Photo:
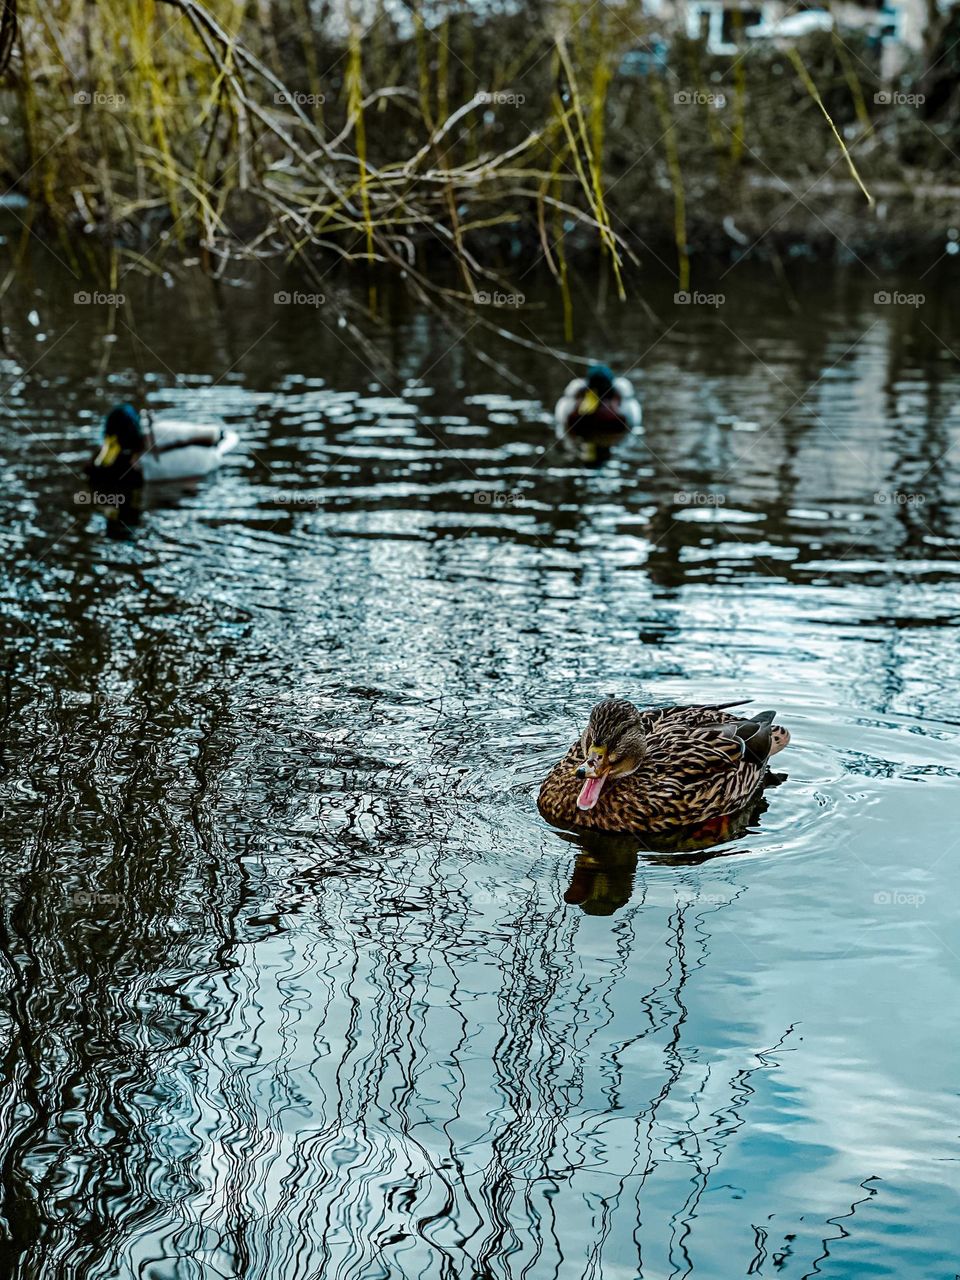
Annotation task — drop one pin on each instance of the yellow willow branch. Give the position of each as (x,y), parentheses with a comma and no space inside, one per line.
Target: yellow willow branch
(676,182)
(814,93)
(594,186)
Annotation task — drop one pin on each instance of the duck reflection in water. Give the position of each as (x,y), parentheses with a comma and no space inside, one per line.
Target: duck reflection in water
(605,868)
(120,506)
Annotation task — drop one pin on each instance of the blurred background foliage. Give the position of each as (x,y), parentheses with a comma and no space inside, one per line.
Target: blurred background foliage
(470,134)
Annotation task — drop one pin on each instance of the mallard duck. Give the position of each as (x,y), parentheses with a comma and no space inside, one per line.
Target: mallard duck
(599,408)
(660,771)
(133,452)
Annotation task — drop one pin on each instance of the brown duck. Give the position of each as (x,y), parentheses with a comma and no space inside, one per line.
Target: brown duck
(660,771)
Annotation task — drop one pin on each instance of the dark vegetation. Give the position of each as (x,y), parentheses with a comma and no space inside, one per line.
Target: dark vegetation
(458,137)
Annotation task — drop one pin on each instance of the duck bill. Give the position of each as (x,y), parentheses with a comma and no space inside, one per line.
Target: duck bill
(590,792)
(109,452)
(589,403)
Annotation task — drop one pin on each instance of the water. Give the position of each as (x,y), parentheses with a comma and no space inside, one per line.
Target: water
(292,987)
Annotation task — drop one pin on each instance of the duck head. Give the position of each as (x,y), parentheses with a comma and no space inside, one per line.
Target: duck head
(123,442)
(600,380)
(599,389)
(613,746)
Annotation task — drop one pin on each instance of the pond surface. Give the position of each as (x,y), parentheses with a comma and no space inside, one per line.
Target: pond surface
(296,982)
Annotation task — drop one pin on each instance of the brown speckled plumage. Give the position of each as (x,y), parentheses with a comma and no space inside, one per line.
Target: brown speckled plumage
(699,763)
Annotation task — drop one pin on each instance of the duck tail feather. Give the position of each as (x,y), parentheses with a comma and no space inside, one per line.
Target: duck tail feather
(757,745)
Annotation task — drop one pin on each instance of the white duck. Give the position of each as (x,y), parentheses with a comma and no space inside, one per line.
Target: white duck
(161,451)
(598,408)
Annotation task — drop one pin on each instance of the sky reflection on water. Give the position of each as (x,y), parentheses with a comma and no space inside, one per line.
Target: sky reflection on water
(297,982)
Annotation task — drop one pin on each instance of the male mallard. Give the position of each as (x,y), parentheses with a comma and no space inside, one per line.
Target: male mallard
(598,408)
(660,771)
(132,452)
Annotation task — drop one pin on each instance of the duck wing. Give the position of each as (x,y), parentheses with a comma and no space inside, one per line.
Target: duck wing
(184,450)
(694,742)
(567,404)
(629,404)
(169,434)
(656,719)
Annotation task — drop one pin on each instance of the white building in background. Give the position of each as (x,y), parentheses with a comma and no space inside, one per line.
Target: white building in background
(726,25)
